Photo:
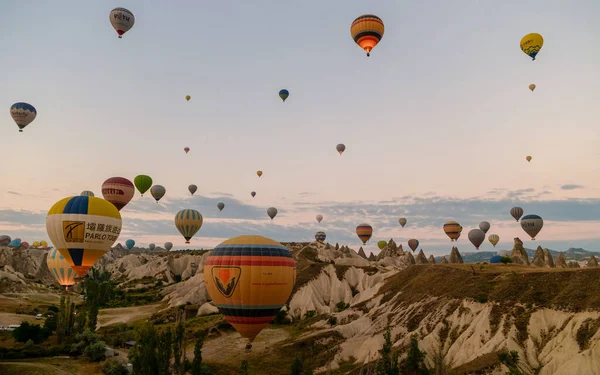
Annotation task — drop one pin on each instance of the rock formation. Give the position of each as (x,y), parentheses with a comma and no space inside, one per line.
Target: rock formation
(421,259)
(593,262)
(411,258)
(372,257)
(455,256)
(400,250)
(548,260)
(431,259)
(538,258)
(519,255)
(444,261)
(392,244)
(361,252)
(573,264)
(391,250)
(561,261)
(337,246)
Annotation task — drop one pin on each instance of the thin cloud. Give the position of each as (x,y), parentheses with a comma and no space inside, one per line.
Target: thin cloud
(221,194)
(571,187)
(14,193)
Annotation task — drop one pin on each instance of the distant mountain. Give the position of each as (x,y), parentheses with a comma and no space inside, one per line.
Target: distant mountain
(484,256)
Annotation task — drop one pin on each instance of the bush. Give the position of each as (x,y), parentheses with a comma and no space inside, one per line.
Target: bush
(332,320)
(341,306)
(281,318)
(32,332)
(113,367)
(310,313)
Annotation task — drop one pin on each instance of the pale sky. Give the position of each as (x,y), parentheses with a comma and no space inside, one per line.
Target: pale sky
(440,109)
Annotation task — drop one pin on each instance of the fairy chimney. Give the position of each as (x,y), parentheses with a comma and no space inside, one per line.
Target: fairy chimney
(421,259)
(431,259)
(561,261)
(361,253)
(548,260)
(455,256)
(593,262)
(538,258)
(519,255)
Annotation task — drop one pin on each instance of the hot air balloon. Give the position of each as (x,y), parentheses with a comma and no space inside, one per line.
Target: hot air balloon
(83,229)
(36,244)
(129,244)
(59,267)
(253,194)
(272,212)
(188,222)
(122,20)
(532,87)
(320,236)
(494,239)
(87,193)
(283,94)
(319,218)
(364,232)
(23,114)
(340,148)
(192,188)
(168,246)
(118,191)
(381,245)
(476,236)
(158,191)
(528,158)
(151,246)
(516,212)
(15,243)
(413,244)
(187,97)
(142,183)
(259,173)
(402,221)
(186,149)
(531,44)
(43,243)
(532,225)
(367,30)
(25,245)
(249,279)
(484,226)
(452,230)
(220,206)
(4,240)
(495,259)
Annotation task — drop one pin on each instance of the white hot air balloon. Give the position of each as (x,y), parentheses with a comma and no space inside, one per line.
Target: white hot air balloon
(122,20)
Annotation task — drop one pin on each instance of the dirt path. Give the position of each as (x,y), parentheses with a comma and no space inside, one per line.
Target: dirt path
(107,317)
(31,368)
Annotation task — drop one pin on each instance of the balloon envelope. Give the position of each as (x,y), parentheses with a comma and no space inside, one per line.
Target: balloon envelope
(532,225)
(259,173)
(187,97)
(118,191)
(129,244)
(192,188)
(319,218)
(5,240)
(151,246)
(220,206)
(158,191)
(367,30)
(494,239)
(168,246)
(142,183)
(340,148)
(186,149)
(59,268)
(83,229)
(122,20)
(249,278)
(532,87)
(516,212)
(188,222)
(23,114)
(528,158)
(484,226)
(476,236)
(253,194)
(402,221)
(283,94)
(381,244)
(452,230)
(413,244)
(531,44)
(87,193)
(364,232)
(272,212)
(320,236)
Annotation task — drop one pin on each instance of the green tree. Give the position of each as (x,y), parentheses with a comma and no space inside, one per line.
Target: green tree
(297,366)
(414,364)
(143,355)
(505,260)
(243,368)
(511,360)
(388,364)
(178,344)
(113,367)
(164,351)
(89,344)
(33,332)
(65,320)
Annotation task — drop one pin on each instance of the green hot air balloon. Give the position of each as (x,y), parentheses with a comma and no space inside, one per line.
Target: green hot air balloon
(142,183)
(283,94)
(381,245)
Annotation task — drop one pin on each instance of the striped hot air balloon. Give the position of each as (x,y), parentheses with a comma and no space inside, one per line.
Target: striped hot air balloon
(367,30)
(320,236)
(452,230)
(118,191)
(87,193)
(249,278)
(364,232)
(142,183)
(59,267)
(83,229)
(494,239)
(188,222)
(516,212)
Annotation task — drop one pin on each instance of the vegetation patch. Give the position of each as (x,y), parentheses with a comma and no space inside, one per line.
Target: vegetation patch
(586,331)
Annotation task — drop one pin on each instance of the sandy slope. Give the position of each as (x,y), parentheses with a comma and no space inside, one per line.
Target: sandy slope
(108,317)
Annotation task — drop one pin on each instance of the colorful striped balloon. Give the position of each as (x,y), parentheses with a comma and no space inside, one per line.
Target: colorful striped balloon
(118,191)
(83,229)
(452,230)
(364,232)
(60,269)
(320,236)
(367,30)
(516,212)
(494,239)
(188,222)
(249,278)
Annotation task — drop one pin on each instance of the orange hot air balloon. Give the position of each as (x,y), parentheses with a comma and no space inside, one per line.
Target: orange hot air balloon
(248,286)
(364,232)
(452,230)
(367,30)
(259,173)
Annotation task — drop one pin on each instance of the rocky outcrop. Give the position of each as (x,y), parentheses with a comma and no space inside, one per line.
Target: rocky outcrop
(519,255)
(390,250)
(573,264)
(372,257)
(421,259)
(431,259)
(561,261)
(538,258)
(548,260)
(444,260)
(400,250)
(361,253)
(455,256)
(593,262)
(410,258)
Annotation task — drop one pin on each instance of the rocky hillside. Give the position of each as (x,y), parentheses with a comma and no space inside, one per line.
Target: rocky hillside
(484,256)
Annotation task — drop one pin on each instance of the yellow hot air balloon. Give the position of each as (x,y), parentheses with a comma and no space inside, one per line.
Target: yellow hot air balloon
(43,243)
(188,222)
(494,239)
(249,278)
(452,230)
(528,158)
(259,173)
(531,44)
(187,97)
(60,269)
(367,30)
(35,244)
(532,87)
(83,229)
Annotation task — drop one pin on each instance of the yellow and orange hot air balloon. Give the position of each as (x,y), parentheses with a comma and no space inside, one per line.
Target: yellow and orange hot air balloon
(364,232)
(60,269)
(259,173)
(452,230)
(249,278)
(367,30)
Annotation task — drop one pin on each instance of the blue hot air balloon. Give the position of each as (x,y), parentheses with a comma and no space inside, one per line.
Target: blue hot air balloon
(496,259)
(23,114)
(283,94)
(130,244)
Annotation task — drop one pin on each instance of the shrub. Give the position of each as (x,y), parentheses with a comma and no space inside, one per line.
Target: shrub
(113,367)
(332,320)
(310,313)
